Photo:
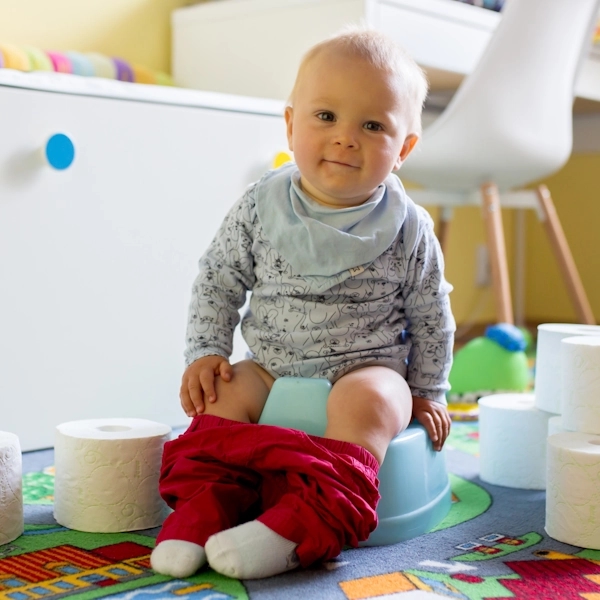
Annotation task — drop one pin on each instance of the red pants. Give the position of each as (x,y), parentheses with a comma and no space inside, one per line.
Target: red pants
(319,493)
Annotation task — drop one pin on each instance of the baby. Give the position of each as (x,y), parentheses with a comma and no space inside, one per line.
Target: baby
(346,280)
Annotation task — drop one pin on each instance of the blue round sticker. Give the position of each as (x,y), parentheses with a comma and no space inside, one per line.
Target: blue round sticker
(60,151)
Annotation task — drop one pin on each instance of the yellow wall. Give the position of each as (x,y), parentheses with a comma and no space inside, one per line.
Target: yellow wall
(575,193)
(136,30)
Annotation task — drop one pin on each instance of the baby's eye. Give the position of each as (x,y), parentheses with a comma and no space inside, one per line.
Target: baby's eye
(373,126)
(325,116)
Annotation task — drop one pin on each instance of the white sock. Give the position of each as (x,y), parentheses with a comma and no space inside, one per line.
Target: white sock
(177,558)
(250,551)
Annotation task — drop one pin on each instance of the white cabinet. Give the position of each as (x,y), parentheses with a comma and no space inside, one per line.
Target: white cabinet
(97,260)
(254,46)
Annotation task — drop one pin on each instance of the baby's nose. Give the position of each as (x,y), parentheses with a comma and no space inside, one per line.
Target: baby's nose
(346,143)
(346,137)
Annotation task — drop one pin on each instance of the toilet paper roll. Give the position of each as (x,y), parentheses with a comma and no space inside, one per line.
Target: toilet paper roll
(573,489)
(512,441)
(580,396)
(555,425)
(107,473)
(548,364)
(11,488)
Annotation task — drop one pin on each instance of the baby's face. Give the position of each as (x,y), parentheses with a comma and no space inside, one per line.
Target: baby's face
(347,128)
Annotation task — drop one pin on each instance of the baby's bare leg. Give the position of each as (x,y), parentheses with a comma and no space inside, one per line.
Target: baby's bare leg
(368,407)
(243,398)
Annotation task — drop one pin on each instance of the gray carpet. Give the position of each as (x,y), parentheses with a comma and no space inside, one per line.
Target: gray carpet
(501,551)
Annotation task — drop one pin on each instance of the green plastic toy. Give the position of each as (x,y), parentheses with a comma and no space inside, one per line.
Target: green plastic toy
(496,362)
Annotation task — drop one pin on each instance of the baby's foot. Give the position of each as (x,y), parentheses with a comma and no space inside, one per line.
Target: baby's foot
(250,551)
(177,558)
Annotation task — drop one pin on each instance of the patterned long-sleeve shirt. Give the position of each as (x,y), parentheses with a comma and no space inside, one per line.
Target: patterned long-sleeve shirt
(393,311)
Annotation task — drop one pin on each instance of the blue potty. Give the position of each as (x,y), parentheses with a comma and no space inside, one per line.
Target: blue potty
(413,481)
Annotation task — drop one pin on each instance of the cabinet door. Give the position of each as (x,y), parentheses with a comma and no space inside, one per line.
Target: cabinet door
(97,261)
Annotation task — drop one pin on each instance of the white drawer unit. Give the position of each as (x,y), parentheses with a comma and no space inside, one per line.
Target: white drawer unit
(254,46)
(97,259)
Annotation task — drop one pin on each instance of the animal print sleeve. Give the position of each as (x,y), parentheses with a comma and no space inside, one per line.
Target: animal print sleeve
(226,273)
(430,324)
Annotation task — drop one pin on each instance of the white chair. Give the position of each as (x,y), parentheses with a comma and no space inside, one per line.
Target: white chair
(508,125)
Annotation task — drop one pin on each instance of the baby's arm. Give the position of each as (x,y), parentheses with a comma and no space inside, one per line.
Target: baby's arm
(226,273)
(430,326)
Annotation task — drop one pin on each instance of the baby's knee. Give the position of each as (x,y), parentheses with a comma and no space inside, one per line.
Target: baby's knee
(244,396)
(373,397)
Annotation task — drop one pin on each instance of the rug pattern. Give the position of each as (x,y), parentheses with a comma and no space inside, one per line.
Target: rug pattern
(484,549)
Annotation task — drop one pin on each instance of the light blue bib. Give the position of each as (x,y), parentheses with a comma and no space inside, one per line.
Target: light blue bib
(323,242)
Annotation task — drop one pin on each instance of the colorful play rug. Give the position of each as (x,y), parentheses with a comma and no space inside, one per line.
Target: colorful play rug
(491,545)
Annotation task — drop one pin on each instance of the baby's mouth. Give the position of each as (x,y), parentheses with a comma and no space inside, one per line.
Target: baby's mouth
(342,164)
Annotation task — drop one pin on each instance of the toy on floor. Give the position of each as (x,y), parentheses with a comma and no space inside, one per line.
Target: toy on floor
(496,362)
(413,482)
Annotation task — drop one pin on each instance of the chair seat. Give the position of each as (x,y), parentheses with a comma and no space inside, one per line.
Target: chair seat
(413,481)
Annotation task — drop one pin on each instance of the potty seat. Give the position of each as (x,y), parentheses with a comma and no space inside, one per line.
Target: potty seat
(413,481)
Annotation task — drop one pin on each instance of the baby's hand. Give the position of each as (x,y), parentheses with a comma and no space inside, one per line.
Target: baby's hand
(434,417)
(198,383)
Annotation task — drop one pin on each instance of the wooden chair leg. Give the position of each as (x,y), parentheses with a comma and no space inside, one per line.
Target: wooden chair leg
(519,279)
(492,217)
(444,227)
(563,255)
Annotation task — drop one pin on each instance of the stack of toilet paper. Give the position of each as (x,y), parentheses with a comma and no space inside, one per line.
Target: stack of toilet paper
(550,373)
(107,473)
(11,490)
(512,441)
(549,363)
(513,428)
(573,452)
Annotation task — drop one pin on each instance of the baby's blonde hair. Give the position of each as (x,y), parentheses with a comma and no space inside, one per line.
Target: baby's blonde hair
(383,53)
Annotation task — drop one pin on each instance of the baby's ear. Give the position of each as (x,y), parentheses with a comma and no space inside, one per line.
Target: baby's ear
(289,118)
(409,143)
